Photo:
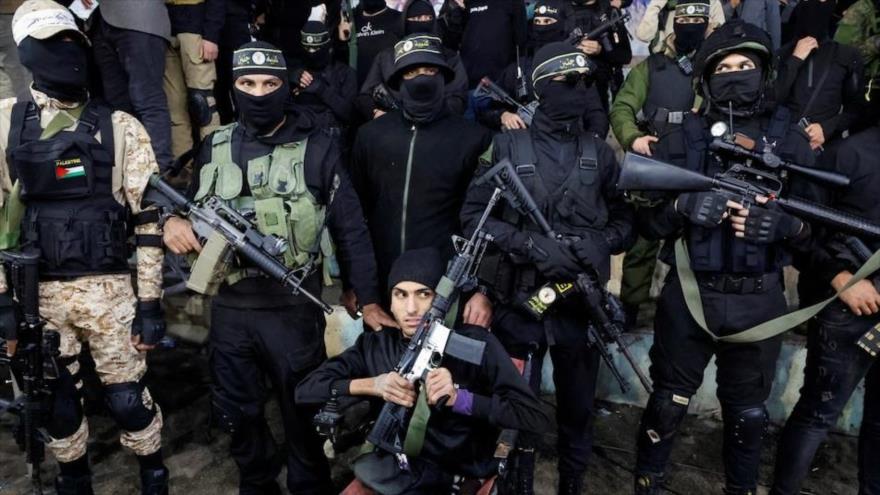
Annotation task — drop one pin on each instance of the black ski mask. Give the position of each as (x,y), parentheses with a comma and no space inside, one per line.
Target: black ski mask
(541,35)
(319,58)
(813,18)
(422,97)
(59,67)
(373,6)
(563,101)
(261,114)
(688,36)
(741,89)
(415,9)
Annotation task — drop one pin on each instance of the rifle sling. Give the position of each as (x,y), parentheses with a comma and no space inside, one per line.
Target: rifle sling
(418,425)
(768,329)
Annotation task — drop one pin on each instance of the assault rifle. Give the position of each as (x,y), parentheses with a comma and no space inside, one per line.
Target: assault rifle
(33,365)
(761,175)
(218,222)
(384,99)
(432,340)
(487,88)
(603,309)
(601,32)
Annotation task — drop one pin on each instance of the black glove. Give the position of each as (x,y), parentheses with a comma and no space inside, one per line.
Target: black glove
(9,317)
(553,259)
(149,322)
(705,209)
(591,252)
(769,225)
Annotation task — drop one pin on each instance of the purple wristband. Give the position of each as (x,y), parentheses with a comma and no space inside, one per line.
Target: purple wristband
(464,402)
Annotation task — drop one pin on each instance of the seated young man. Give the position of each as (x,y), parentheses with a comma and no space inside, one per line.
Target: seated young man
(460,438)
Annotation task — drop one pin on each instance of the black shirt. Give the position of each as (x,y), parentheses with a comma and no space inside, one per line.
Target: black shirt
(375,33)
(205,19)
(345,220)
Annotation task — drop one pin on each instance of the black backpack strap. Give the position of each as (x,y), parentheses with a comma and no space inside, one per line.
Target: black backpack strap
(522,152)
(589,153)
(97,117)
(24,127)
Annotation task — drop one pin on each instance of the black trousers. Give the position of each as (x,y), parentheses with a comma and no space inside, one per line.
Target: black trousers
(132,67)
(681,352)
(835,366)
(250,347)
(575,370)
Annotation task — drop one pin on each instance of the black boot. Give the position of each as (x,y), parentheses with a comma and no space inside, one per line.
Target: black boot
(631,313)
(570,484)
(70,485)
(154,481)
(524,473)
(649,483)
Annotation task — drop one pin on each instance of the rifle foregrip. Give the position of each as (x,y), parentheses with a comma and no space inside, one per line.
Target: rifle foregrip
(386,430)
(835,218)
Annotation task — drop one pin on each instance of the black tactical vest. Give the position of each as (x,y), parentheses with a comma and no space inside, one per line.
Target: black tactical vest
(665,108)
(70,214)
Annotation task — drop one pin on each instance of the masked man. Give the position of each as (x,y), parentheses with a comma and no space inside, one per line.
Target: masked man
(460,436)
(276,167)
(572,175)
(73,176)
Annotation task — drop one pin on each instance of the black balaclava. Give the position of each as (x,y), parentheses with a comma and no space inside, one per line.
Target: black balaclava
(260,114)
(316,43)
(563,101)
(373,6)
(541,35)
(813,18)
(423,266)
(59,67)
(740,89)
(422,97)
(417,8)
(689,36)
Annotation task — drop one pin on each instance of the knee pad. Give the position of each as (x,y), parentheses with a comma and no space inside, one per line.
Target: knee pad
(126,404)
(663,415)
(201,110)
(745,425)
(65,411)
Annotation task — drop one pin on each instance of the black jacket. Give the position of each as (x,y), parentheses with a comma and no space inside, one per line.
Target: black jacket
(490,31)
(206,19)
(837,105)
(345,220)
(383,68)
(458,443)
(595,118)
(330,97)
(425,212)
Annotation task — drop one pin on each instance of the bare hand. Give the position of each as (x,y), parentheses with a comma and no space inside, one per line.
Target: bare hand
(11,346)
(817,135)
(392,387)
(87,3)
(590,47)
(438,384)
(210,51)
(616,3)
(804,47)
(306,79)
(136,342)
(348,299)
(862,298)
(344,29)
(179,237)
(376,318)
(478,311)
(510,120)
(643,144)
(460,3)
(378,113)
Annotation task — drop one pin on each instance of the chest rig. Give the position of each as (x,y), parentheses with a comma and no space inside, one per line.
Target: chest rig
(65,181)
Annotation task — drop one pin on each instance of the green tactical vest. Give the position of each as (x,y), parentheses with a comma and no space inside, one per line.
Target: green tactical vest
(280,200)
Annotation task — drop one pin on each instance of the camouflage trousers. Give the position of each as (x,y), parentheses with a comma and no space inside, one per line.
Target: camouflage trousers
(99,310)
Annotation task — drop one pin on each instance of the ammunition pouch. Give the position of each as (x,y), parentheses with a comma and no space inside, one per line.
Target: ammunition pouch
(211,267)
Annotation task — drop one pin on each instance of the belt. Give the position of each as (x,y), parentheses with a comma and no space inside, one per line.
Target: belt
(738,284)
(664,115)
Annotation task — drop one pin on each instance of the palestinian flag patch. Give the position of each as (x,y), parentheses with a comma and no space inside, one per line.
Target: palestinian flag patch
(69,168)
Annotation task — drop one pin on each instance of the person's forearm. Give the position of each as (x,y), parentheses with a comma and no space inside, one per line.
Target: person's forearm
(362,386)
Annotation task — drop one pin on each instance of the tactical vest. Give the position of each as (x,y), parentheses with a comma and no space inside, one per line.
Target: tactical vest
(665,109)
(279,202)
(717,249)
(70,214)
(574,208)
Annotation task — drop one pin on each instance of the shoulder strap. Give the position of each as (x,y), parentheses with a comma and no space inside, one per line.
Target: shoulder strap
(221,143)
(24,127)
(780,122)
(589,153)
(822,79)
(97,117)
(522,152)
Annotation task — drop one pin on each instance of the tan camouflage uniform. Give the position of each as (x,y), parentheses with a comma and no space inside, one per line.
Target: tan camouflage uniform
(100,309)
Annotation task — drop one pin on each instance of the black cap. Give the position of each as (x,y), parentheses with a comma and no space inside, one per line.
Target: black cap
(314,35)
(555,59)
(734,36)
(549,8)
(423,266)
(419,50)
(258,57)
